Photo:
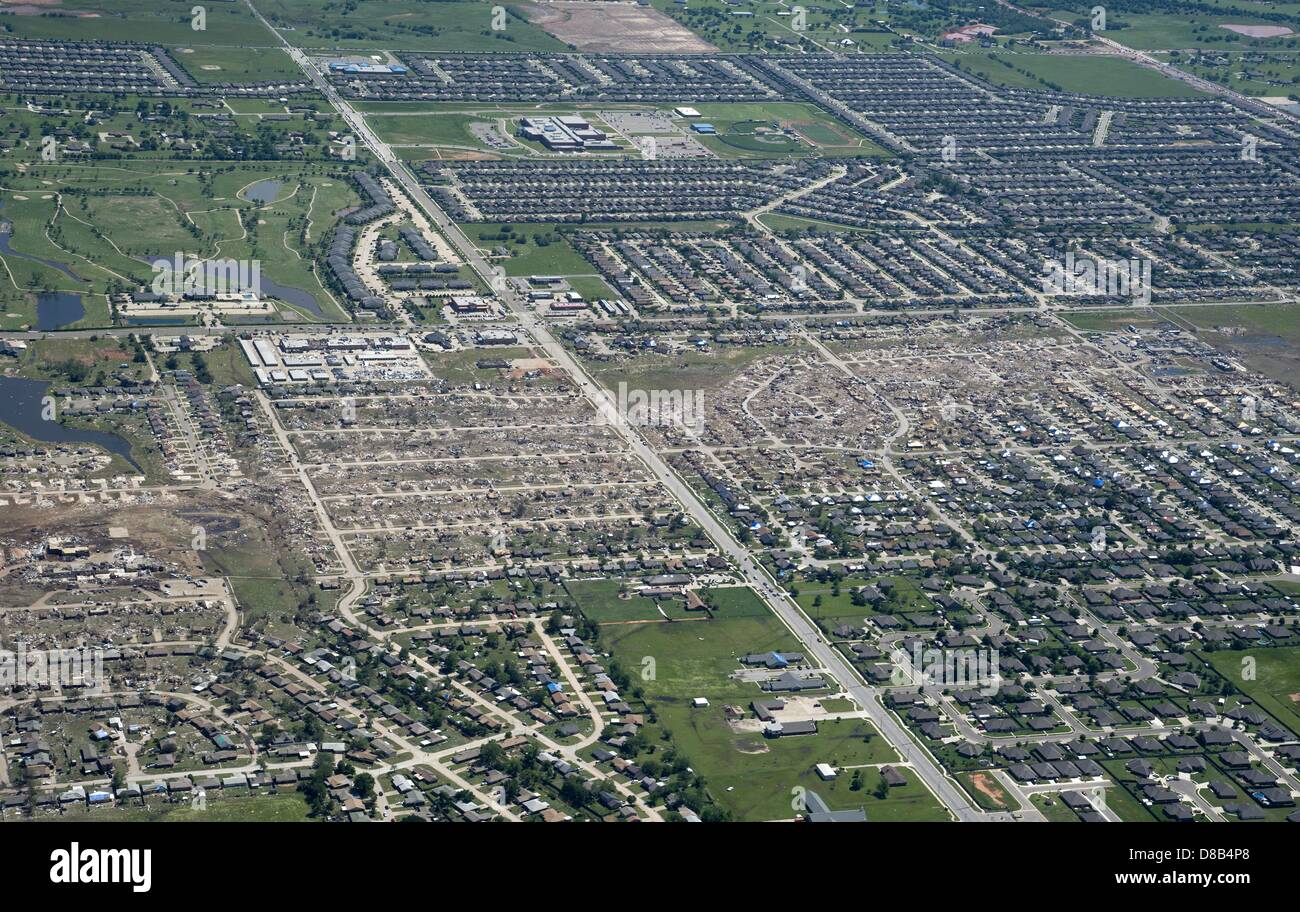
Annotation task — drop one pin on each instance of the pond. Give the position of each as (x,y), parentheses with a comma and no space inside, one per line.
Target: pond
(57,309)
(291,295)
(21,408)
(263,191)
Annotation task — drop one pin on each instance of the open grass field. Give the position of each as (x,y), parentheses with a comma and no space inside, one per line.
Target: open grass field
(1088,75)
(286,807)
(237,64)
(1265,336)
(1276,686)
(460,367)
(752,777)
(534,249)
(226,363)
(164,22)
(820,602)
(599,601)
(758,130)
(592,288)
(780,223)
(454,25)
(46,359)
(430,128)
(1053,808)
(1184,28)
(736,602)
(745,129)
(1112,320)
(446,130)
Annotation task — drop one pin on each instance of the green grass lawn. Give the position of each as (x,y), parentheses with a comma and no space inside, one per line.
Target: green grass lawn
(1265,336)
(48,359)
(838,705)
(778,222)
(1053,809)
(534,249)
(443,128)
(452,25)
(592,288)
(460,367)
(1184,28)
(159,21)
(1108,320)
(740,127)
(749,775)
(227,365)
(736,602)
(599,600)
(284,807)
(907,596)
(1087,75)
(238,64)
(1276,686)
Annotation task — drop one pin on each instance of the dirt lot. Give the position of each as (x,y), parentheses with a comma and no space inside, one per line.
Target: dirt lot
(614,27)
(989,787)
(160,526)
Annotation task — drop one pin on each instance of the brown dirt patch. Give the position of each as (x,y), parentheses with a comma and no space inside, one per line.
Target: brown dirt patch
(1259,31)
(985,785)
(615,27)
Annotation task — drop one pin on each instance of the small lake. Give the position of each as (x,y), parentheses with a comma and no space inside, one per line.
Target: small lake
(291,295)
(263,191)
(21,407)
(57,309)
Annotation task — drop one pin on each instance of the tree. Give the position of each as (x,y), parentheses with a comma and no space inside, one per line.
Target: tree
(364,785)
(491,755)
